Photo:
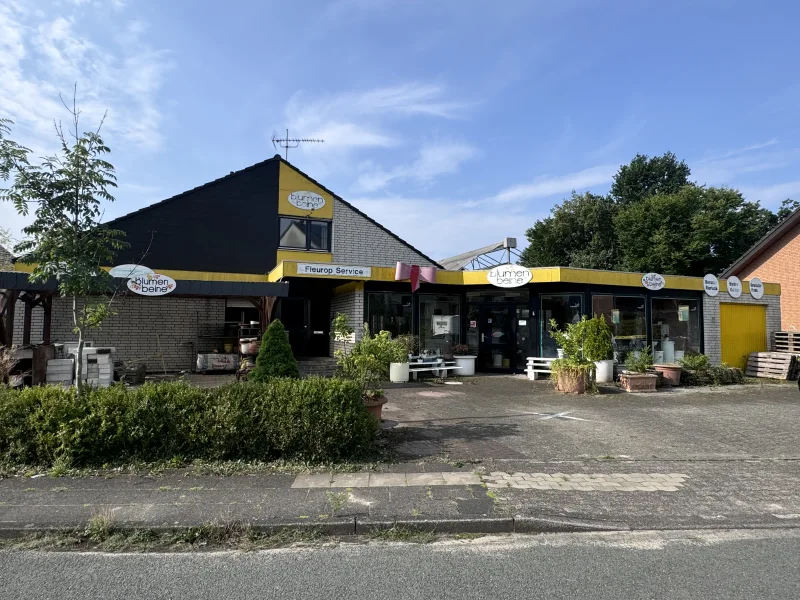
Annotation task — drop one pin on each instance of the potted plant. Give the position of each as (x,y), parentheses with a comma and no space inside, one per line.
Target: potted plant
(572,372)
(670,372)
(398,367)
(410,344)
(598,348)
(636,378)
(464,359)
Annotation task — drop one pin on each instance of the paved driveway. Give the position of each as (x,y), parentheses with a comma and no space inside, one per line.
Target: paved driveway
(510,417)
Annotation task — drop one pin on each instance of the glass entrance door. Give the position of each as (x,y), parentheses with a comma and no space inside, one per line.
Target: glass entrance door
(563,308)
(496,347)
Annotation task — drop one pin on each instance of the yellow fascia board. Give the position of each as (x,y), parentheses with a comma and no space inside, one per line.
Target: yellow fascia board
(353,286)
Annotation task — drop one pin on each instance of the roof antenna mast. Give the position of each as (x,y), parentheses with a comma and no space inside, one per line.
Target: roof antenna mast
(288,142)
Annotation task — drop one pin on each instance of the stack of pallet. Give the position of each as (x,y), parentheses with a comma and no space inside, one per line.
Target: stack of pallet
(773,365)
(60,371)
(787,341)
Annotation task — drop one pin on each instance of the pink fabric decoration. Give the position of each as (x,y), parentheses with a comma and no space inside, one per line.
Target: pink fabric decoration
(414,273)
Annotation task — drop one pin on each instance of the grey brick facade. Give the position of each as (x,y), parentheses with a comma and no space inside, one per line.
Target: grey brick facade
(711,324)
(132,330)
(359,241)
(5,260)
(350,303)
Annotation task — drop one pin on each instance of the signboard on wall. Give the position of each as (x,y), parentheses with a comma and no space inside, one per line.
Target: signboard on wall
(509,276)
(756,288)
(306,200)
(653,281)
(711,284)
(734,287)
(152,285)
(328,270)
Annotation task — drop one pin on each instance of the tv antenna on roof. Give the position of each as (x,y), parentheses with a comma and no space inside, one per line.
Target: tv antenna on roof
(288,142)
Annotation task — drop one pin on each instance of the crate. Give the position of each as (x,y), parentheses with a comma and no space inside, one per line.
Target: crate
(773,365)
(787,341)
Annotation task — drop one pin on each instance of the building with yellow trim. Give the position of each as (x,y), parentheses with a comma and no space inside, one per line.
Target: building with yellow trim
(270,224)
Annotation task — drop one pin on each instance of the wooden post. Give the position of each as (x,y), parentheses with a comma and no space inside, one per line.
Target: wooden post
(47,307)
(11,304)
(26,322)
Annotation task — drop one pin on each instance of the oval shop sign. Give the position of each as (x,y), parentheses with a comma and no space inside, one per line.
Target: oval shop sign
(509,276)
(734,287)
(151,285)
(306,200)
(653,281)
(128,271)
(756,288)
(711,284)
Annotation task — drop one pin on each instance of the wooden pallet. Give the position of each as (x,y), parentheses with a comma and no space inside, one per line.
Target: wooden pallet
(774,365)
(787,341)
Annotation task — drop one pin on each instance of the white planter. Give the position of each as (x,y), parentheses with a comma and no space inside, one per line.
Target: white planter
(398,372)
(467,364)
(604,371)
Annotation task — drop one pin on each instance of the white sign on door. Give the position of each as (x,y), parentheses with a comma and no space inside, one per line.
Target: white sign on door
(734,287)
(711,284)
(756,288)
(509,276)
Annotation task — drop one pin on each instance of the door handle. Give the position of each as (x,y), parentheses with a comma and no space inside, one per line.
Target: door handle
(483,336)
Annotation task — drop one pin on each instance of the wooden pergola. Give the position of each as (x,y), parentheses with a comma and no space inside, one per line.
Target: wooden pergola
(15,287)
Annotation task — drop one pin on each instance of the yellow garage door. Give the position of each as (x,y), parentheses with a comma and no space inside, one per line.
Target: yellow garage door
(743,329)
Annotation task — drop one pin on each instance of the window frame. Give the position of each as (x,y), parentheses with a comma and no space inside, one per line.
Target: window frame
(307,224)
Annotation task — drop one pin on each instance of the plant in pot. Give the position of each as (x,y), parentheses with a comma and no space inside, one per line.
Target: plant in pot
(464,360)
(636,378)
(598,348)
(410,343)
(572,373)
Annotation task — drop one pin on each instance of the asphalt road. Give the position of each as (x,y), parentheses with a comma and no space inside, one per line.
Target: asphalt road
(759,564)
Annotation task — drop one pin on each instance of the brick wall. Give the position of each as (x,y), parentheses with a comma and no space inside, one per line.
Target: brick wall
(711,326)
(781,264)
(5,260)
(350,303)
(37,321)
(132,331)
(356,240)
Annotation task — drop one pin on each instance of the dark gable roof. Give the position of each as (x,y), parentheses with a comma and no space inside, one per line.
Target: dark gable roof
(353,208)
(762,245)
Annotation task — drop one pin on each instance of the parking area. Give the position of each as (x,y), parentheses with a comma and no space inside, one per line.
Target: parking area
(510,417)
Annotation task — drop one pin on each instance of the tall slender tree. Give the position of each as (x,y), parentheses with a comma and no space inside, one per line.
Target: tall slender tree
(66,239)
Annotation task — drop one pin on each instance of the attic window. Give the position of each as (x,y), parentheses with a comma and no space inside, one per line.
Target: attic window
(305,234)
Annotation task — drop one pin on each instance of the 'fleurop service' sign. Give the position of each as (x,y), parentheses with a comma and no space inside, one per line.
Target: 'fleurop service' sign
(327,270)
(509,276)
(711,284)
(151,285)
(306,200)
(653,281)
(756,288)
(734,287)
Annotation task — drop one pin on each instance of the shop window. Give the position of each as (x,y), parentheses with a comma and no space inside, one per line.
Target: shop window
(676,328)
(564,309)
(390,312)
(626,318)
(439,323)
(305,234)
(498,295)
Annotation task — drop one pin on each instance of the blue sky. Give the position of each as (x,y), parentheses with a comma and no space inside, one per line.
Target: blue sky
(452,123)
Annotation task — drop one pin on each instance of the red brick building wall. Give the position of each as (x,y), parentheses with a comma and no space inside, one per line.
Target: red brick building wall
(780,263)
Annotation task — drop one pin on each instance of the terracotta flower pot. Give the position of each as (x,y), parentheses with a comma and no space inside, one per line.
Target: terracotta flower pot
(638,382)
(571,382)
(374,405)
(672,374)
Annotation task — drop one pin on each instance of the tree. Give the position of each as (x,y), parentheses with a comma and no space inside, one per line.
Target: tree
(578,233)
(788,207)
(66,239)
(275,358)
(692,232)
(645,176)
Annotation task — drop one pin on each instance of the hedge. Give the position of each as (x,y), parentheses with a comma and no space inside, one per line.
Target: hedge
(312,419)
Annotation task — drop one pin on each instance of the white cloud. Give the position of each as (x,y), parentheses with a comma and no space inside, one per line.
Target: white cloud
(772,195)
(358,119)
(434,160)
(725,168)
(546,186)
(43,54)
(439,228)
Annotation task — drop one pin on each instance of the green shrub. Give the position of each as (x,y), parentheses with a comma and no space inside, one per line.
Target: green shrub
(697,370)
(597,344)
(313,419)
(641,363)
(275,358)
(369,359)
(695,362)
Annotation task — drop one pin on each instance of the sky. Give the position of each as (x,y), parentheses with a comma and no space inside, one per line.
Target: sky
(452,123)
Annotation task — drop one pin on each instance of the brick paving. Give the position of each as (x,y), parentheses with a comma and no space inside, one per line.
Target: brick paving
(588,482)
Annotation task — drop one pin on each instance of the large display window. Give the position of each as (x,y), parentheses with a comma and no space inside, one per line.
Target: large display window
(627,319)
(564,308)
(388,311)
(676,328)
(439,323)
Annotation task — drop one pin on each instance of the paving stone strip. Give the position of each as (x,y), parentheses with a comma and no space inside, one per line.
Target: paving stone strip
(588,482)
